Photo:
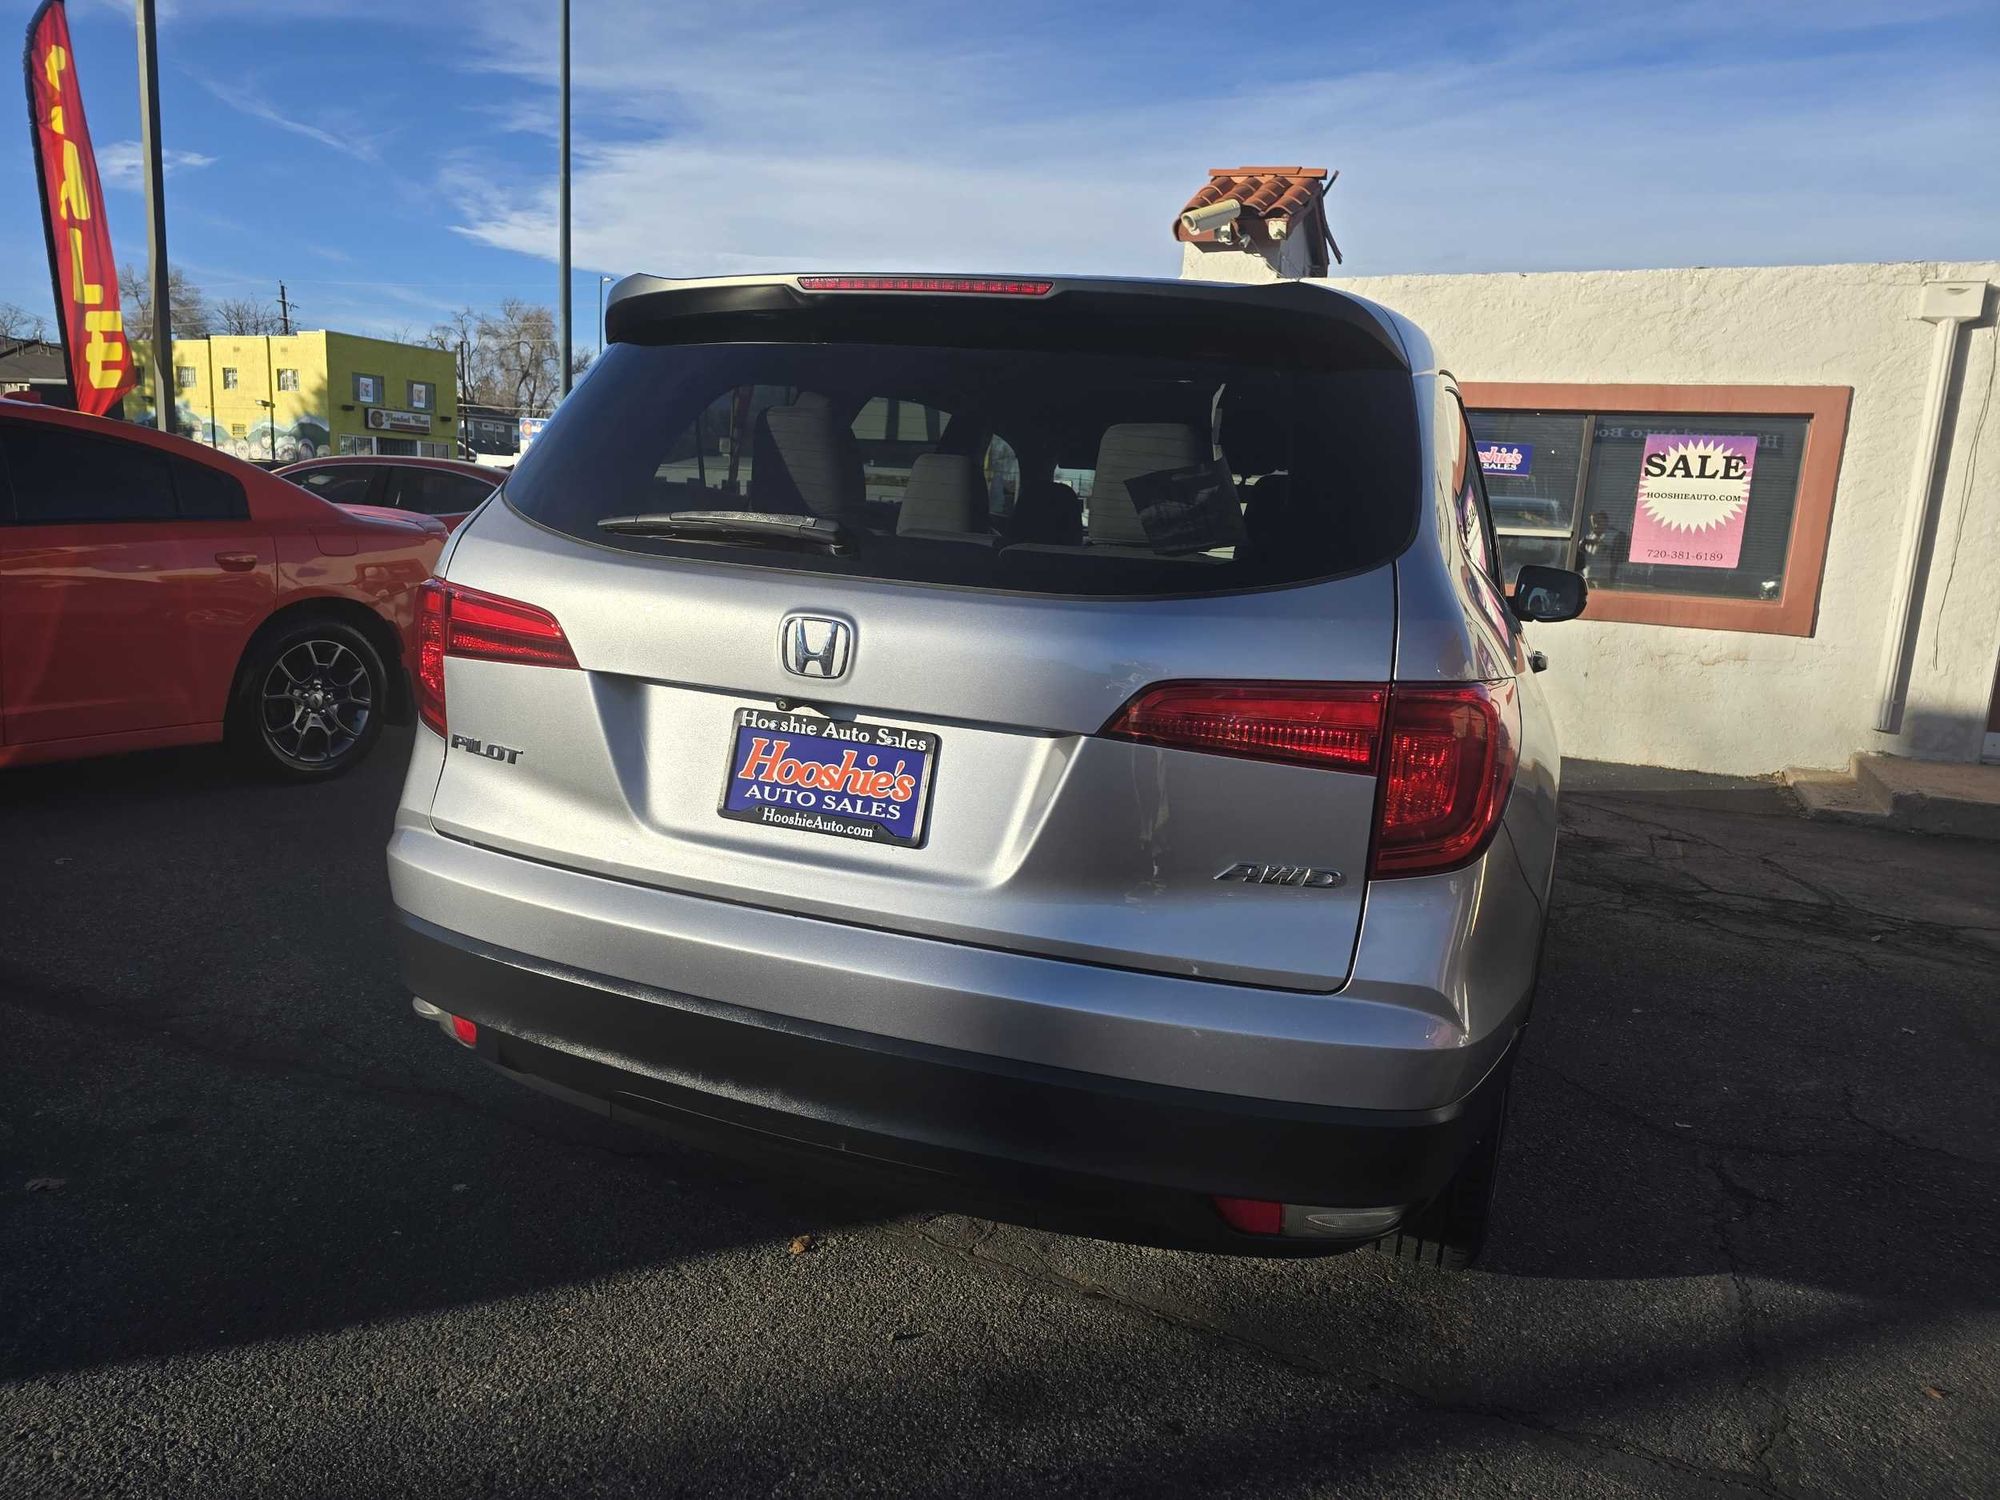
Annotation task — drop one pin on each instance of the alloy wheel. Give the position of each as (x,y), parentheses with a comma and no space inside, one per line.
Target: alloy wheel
(317,701)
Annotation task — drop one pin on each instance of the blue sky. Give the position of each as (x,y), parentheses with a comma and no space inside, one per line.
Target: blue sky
(393,159)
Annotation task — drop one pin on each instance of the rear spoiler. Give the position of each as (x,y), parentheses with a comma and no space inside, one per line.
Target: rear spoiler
(1285,323)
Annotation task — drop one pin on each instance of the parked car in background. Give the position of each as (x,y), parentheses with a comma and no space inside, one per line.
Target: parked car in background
(448,488)
(956,726)
(156,592)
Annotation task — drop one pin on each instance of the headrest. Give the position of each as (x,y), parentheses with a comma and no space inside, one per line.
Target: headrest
(1254,426)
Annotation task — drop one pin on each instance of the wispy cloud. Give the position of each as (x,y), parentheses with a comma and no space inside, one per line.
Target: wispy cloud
(518,116)
(121,164)
(335,133)
(830,136)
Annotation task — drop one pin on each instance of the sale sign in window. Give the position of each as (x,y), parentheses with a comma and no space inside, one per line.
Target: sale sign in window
(1694,493)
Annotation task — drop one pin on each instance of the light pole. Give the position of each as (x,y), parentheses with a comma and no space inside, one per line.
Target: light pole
(600,312)
(562,210)
(162,331)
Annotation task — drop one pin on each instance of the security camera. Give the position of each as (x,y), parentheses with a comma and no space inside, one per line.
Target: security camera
(1217,217)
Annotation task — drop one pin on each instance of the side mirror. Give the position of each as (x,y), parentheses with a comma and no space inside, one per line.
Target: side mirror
(1548,594)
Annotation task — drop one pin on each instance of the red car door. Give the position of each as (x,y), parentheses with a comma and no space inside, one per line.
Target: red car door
(130,579)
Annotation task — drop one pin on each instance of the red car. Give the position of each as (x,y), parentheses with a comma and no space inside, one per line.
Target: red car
(447,488)
(156,592)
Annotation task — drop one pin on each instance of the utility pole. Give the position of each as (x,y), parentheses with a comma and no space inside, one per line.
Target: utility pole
(562,208)
(156,218)
(284,311)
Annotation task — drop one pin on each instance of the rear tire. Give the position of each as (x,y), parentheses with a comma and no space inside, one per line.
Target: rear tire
(310,701)
(1448,1232)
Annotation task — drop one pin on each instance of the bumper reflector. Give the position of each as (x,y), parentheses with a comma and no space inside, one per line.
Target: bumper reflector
(1306,1221)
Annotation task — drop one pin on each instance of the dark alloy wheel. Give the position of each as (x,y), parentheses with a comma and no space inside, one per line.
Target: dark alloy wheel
(311,700)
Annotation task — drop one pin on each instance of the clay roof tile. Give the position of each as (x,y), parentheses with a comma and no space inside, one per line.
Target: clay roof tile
(1266,193)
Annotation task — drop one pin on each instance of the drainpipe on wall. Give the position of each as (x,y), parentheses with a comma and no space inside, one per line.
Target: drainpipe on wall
(1945,304)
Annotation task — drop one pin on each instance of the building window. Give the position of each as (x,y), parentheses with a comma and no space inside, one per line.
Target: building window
(184,377)
(229,377)
(357,445)
(1704,506)
(423,395)
(368,389)
(238,429)
(288,380)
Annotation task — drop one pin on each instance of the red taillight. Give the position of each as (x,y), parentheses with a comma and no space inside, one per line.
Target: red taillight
(466,1031)
(1450,762)
(432,608)
(1445,755)
(982,286)
(453,620)
(1252,1215)
(1336,726)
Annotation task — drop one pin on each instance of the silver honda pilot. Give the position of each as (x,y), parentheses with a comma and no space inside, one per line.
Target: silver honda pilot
(1066,743)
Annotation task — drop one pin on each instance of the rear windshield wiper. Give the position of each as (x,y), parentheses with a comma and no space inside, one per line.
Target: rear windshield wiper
(745,528)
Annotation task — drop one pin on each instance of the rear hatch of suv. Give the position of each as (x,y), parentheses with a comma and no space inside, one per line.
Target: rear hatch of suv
(1046,617)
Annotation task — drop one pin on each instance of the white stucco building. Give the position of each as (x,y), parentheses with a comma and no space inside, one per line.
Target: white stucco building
(1840,357)
(1850,603)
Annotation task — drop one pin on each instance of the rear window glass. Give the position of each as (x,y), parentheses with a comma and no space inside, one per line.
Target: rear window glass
(1041,471)
(204,493)
(345,484)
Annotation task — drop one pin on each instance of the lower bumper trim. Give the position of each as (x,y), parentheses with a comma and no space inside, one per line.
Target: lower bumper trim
(986,1134)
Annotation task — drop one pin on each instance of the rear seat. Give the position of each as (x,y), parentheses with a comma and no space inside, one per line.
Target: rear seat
(804,462)
(945,500)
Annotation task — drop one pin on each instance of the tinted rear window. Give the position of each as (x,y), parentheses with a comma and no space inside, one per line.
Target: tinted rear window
(344,484)
(1033,470)
(439,492)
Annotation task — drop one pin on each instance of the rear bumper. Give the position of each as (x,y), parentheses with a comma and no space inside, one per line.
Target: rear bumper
(1442,979)
(1014,1139)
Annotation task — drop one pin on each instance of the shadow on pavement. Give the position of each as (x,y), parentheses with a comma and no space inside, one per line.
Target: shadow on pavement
(1754,1138)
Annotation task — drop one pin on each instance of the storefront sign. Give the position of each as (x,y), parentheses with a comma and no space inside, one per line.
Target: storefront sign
(1694,493)
(1515,459)
(530,429)
(79,241)
(382,419)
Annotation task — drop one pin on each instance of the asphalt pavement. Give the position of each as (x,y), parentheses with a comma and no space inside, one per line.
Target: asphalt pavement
(262,1232)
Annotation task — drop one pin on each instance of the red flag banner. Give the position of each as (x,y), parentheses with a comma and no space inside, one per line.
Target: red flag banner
(80,258)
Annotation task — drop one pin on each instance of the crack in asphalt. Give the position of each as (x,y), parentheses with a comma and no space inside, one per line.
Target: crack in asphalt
(1829,913)
(1054,1279)
(1761,1378)
(1695,1141)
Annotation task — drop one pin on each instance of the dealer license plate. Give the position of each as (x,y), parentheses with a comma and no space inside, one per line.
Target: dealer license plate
(870,782)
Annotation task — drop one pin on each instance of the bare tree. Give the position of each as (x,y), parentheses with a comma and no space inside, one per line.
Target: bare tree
(242,315)
(508,357)
(189,307)
(16,322)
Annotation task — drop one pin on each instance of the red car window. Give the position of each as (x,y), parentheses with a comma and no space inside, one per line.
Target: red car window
(343,484)
(61,477)
(439,492)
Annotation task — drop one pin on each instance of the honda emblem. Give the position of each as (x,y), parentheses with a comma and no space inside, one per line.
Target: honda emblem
(815,645)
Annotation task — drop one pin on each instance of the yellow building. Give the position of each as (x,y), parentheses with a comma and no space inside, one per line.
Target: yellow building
(304,395)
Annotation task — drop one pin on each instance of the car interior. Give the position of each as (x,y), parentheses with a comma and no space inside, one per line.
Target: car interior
(1190,473)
